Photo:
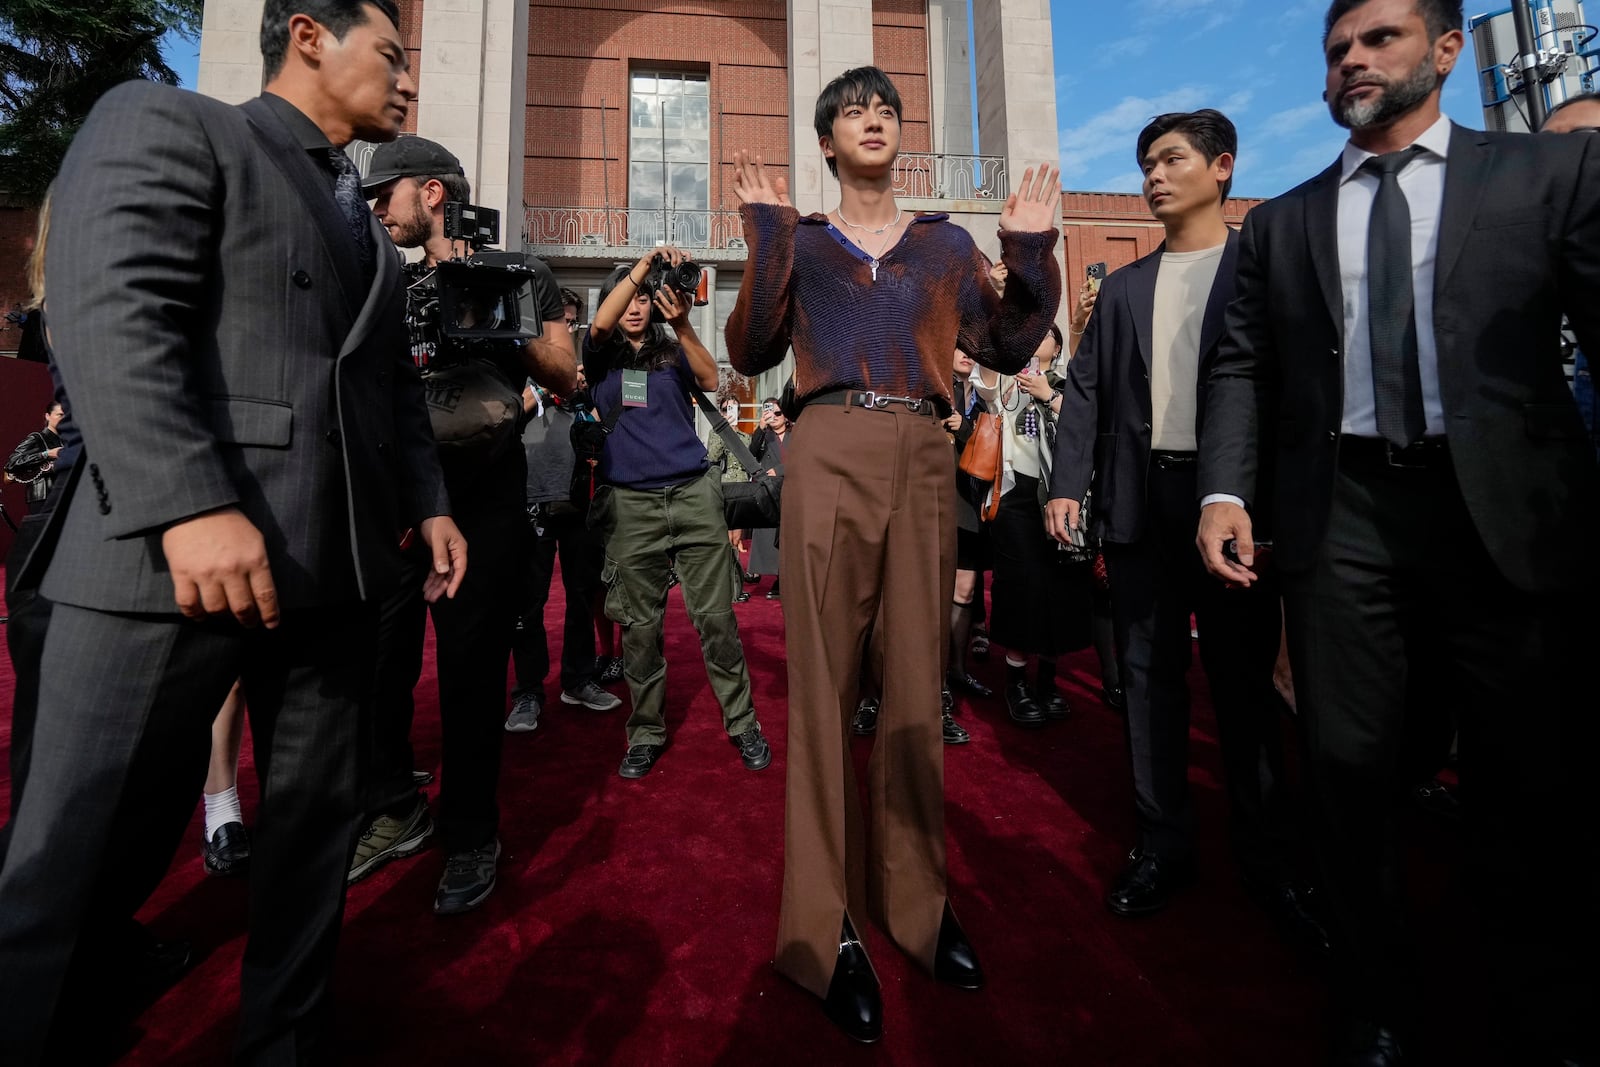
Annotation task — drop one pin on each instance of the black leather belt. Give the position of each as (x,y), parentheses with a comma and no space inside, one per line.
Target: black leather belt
(871,401)
(1173,460)
(1429,452)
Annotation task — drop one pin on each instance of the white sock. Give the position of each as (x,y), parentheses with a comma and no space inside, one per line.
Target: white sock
(221,809)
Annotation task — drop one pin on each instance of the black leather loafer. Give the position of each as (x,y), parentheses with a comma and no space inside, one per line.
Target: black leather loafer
(1052,703)
(955,962)
(227,852)
(969,685)
(854,1002)
(1020,705)
(1147,883)
(952,732)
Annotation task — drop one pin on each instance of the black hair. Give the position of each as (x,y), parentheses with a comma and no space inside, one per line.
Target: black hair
(570,296)
(1581,98)
(1055,331)
(658,351)
(340,16)
(1440,16)
(855,87)
(1208,131)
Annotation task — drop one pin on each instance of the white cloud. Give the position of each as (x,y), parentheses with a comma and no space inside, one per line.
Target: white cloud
(1291,121)
(1114,132)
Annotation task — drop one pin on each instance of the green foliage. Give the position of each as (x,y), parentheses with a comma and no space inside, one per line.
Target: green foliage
(57,57)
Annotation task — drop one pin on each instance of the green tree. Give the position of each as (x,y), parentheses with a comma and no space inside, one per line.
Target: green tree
(57,57)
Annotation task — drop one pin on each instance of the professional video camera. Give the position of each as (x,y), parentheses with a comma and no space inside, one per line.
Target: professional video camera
(686,278)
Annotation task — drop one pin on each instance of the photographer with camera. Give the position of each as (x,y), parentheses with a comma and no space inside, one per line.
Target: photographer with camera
(660,507)
(421,191)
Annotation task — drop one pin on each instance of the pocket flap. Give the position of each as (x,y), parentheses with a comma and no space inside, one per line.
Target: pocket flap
(242,420)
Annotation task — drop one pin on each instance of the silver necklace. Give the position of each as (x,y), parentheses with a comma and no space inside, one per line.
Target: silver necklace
(879,232)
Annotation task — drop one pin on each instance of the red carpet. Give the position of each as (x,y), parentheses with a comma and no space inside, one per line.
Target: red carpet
(634,921)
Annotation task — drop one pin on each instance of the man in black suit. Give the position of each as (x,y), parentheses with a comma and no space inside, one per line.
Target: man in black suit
(1390,398)
(226,315)
(1128,426)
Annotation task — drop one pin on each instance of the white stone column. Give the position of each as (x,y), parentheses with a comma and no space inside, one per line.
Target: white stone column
(230,50)
(950,56)
(473,83)
(826,38)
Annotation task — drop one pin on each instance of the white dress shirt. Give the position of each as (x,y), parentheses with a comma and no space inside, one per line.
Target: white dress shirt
(1422,181)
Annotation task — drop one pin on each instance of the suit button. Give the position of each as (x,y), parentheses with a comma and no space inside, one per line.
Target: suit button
(1147,427)
(1333,352)
(301,278)
(1333,435)
(334,438)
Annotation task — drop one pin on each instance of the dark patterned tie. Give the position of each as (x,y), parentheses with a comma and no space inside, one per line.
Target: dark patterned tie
(357,216)
(1391,322)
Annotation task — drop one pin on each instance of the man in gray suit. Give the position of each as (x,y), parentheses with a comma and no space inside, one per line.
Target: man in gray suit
(227,317)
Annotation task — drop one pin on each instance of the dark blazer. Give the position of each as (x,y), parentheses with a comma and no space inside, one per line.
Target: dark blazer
(1519,243)
(218,350)
(1103,431)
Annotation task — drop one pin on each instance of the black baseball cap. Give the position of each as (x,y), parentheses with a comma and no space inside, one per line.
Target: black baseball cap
(408,157)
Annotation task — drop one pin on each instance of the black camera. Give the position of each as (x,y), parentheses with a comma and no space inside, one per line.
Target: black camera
(684,278)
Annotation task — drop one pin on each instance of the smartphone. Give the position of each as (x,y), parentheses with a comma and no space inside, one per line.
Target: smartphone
(1230,552)
(1033,366)
(1096,273)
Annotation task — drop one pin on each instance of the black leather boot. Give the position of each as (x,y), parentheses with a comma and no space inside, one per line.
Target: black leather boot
(854,1003)
(955,962)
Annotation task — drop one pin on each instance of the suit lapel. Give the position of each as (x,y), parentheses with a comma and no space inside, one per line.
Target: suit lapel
(316,194)
(1322,237)
(384,280)
(1221,295)
(1142,299)
(1465,178)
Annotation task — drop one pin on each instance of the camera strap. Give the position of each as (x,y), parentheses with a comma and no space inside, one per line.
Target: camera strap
(730,436)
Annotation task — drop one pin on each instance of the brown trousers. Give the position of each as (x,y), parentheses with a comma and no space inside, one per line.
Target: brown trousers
(869,522)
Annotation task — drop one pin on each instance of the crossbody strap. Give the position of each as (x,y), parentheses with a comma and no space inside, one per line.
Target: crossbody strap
(729,435)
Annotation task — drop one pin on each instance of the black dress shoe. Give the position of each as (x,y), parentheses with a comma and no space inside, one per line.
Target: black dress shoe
(742,598)
(955,962)
(1115,697)
(953,732)
(1052,703)
(773,593)
(227,852)
(1023,709)
(1147,883)
(968,684)
(865,720)
(639,760)
(854,1003)
(1295,907)
(751,577)
(1367,1044)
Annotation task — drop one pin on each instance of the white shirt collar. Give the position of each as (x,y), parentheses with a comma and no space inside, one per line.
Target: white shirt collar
(1435,139)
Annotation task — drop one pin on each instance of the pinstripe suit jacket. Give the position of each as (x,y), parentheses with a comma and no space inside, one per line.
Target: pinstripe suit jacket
(220,346)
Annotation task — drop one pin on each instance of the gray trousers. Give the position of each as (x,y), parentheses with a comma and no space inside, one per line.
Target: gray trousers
(647,533)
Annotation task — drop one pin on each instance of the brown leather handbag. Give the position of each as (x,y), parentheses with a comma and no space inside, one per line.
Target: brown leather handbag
(982,459)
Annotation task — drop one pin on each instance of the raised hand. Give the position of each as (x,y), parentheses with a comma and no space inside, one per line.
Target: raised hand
(675,310)
(1036,205)
(752,185)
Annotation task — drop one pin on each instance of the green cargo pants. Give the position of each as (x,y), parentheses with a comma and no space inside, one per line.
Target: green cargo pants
(646,533)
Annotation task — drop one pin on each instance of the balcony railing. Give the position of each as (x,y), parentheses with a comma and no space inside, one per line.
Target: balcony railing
(600,227)
(941,177)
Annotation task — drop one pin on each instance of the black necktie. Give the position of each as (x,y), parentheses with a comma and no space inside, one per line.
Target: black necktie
(357,216)
(1391,322)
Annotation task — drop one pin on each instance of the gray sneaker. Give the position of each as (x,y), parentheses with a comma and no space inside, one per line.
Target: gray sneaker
(592,697)
(391,838)
(524,717)
(468,879)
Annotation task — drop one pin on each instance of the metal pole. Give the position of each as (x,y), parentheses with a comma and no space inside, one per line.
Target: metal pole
(1528,60)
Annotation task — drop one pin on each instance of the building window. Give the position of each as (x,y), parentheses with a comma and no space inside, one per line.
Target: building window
(669,158)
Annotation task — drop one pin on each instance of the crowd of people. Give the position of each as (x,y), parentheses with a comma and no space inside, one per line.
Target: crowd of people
(1362,386)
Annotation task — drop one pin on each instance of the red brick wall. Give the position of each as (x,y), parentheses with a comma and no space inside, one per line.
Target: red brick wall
(581,53)
(1116,229)
(411,35)
(900,49)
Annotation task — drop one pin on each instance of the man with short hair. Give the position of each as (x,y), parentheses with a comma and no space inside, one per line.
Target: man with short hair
(412,180)
(1130,417)
(253,440)
(1389,402)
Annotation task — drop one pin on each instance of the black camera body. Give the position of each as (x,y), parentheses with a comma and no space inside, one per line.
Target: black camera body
(684,279)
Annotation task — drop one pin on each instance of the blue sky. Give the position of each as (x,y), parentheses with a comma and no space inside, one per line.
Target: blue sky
(1119,63)
(1258,61)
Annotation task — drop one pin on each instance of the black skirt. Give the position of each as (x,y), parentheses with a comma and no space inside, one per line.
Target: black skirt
(1040,598)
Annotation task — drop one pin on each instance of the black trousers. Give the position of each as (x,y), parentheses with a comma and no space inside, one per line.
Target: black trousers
(582,556)
(1155,585)
(25,629)
(472,641)
(1402,580)
(126,704)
